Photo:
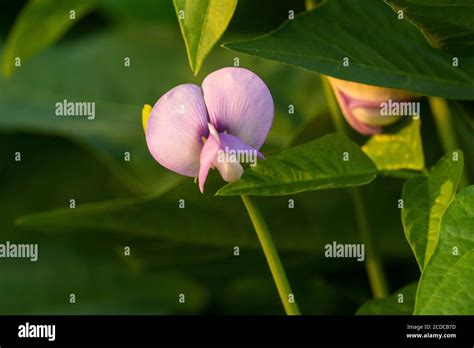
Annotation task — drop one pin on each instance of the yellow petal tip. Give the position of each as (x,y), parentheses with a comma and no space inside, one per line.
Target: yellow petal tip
(146,111)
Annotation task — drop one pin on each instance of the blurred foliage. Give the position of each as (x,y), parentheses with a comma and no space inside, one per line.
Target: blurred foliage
(53,17)
(401,302)
(52,171)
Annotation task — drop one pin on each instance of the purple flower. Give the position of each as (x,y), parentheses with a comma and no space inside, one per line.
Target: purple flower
(361,104)
(190,126)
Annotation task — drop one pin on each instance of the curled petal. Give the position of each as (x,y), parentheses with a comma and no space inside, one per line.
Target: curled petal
(231,154)
(369,93)
(175,129)
(239,102)
(359,126)
(361,104)
(234,143)
(230,171)
(207,157)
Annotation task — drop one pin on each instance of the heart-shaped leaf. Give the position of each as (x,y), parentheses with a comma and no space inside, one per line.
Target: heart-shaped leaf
(202,24)
(329,162)
(447,25)
(397,149)
(367,44)
(447,283)
(425,199)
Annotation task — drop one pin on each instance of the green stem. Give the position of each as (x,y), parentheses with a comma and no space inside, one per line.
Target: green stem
(444,126)
(271,254)
(336,116)
(373,264)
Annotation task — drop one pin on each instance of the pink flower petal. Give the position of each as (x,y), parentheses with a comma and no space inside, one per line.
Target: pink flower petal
(207,157)
(234,143)
(239,102)
(175,129)
(346,108)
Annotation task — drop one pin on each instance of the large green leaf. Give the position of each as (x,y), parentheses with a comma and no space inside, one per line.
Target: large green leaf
(202,24)
(40,24)
(447,283)
(381,50)
(397,148)
(401,302)
(447,25)
(329,162)
(425,199)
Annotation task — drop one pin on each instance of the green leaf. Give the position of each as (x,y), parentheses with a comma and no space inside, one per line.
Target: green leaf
(397,148)
(40,24)
(202,24)
(447,25)
(401,302)
(425,199)
(381,50)
(447,283)
(329,162)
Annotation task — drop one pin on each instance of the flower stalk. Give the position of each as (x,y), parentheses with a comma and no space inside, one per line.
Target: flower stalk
(271,254)
(447,134)
(373,264)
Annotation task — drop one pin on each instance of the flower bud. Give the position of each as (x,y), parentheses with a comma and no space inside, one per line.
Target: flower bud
(361,104)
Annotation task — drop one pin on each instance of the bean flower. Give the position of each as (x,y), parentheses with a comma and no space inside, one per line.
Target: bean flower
(190,126)
(361,104)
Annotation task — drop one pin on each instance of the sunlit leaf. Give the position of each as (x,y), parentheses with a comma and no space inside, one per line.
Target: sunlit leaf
(398,148)
(329,162)
(202,24)
(447,283)
(425,199)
